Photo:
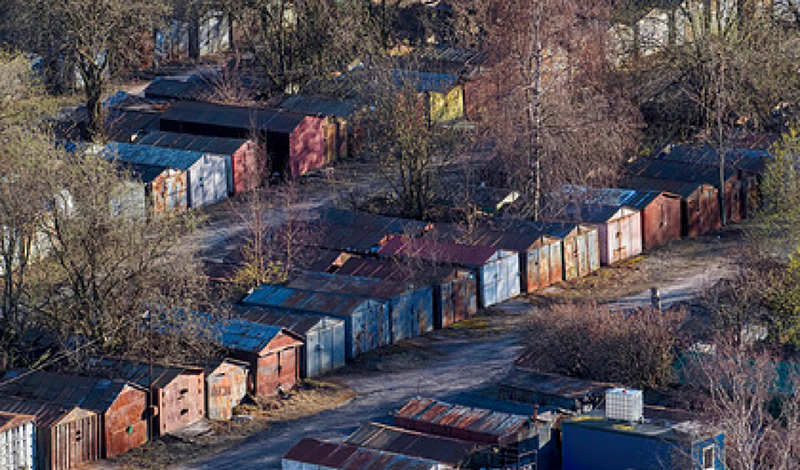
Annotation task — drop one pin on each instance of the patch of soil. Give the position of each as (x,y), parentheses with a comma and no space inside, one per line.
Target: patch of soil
(207,437)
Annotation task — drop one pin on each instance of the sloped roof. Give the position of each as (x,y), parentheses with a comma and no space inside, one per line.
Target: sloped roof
(247,336)
(138,372)
(319,105)
(490,427)
(617,197)
(352,285)
(681,188)
(351,457)
(178,87)
(673,170)
(416,444)
(13,420)
(46,413)
(325,303)
(753,160)
(152,156)
(295,322)
(553,384)
(558,230)
(425,81)
(197,143)
(438,252)
(372,222)
(520,241)
(91,393)
(594,213)
(236,117)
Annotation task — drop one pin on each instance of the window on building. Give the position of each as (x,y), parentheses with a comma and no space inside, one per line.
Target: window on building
(708,457)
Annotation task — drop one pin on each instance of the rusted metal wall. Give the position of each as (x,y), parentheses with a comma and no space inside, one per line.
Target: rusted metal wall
(181,401)
(246,167)
(581,253)
(701,213)
(279,368)
(661,221)
(412,313)
(169,193)
(226,386)
(125,422)
(307,146)
(541,265)
(733,199)
(70,442)
(456,299)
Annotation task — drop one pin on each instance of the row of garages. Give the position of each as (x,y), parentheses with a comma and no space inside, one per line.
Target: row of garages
(388,279)
(528,420)
(61,421)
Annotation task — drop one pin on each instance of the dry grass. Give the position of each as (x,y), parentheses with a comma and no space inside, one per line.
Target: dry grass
(310,398)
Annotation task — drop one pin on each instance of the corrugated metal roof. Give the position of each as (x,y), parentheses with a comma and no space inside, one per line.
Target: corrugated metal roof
(178,87)
(372,222)
(296,322)
(612,196)
(671,170)
(138,372)
(13,420)
(197,143)
(46,413)
(520,241)
(681,188)
(91,393)
(753,160)
(490,423)
(236,117)
(351,457)
(319,105)
(553,384)
(438,252)
(591,212)
(122,125)
(325,303)
(247,336)
(352,285)
(152,156)
(350,239)
(425,81)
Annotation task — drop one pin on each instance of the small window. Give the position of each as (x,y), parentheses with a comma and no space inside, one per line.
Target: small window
(708,457)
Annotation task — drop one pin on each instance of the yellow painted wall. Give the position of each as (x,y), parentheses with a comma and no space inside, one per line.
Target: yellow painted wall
(447,107)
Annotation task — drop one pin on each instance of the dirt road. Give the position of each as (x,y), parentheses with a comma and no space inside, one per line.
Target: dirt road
(459,365)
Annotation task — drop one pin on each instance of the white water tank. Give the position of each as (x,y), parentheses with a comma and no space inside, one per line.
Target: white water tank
(624,404)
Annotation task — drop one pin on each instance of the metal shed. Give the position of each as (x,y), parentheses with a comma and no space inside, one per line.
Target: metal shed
(295,142)
(120,406)
(66,437)
(314,454)
(619,229)
(660,211)
(749,164)
(514,440)
(454,289)
(373,222)
(207,180)
(445,450)
(689,173)
(226,386)
(538,388)
(366,320)
(700,212)
(410,304)
(496,270)
(323,337)
(540,257)
(444,92)
(580,246)
(337,112)
(177,394)
(272,352)
(17,441)
(244,162)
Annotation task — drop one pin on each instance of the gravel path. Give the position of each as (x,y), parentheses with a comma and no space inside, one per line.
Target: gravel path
(460,365)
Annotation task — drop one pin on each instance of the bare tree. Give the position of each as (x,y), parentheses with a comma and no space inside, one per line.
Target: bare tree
(91,36)
(747,396)
(294,41)
(549,97)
